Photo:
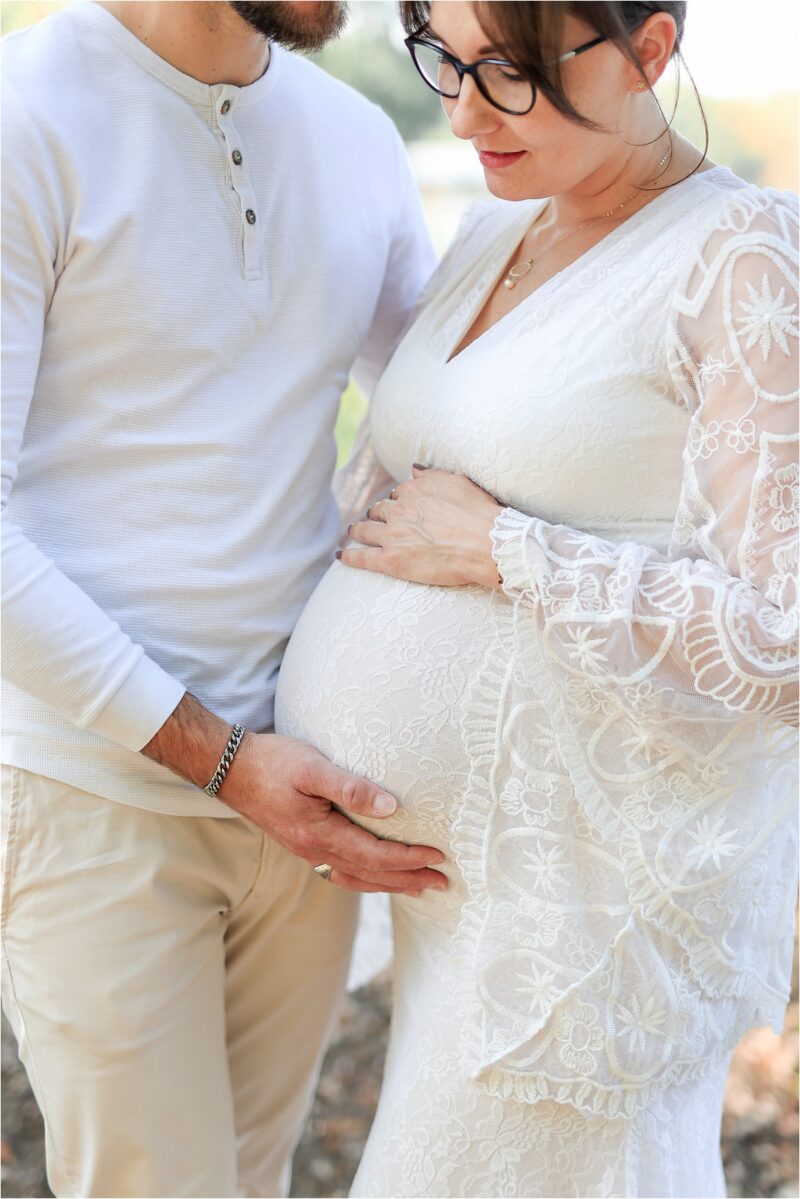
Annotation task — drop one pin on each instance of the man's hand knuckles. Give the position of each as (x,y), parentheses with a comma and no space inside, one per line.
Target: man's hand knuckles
(357,871)
(389,861)
(361,864)
(305,843)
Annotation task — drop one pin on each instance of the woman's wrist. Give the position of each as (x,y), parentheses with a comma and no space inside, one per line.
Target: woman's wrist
(485,570)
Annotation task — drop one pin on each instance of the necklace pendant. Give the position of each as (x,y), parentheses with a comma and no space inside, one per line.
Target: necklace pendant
(516,272)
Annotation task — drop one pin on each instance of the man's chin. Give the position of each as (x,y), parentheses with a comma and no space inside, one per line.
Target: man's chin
(305,26)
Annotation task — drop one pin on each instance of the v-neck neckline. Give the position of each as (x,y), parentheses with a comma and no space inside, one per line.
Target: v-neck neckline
(517,231)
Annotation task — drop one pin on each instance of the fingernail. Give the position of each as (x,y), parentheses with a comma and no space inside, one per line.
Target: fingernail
(439,886)
(338,554)
(419,466)
(384,805)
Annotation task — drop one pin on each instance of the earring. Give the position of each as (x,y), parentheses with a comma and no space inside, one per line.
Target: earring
(640,83)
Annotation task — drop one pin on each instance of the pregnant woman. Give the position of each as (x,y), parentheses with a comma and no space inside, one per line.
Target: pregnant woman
(564,638)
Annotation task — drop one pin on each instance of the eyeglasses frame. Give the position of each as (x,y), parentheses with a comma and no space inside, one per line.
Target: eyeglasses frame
(471,68)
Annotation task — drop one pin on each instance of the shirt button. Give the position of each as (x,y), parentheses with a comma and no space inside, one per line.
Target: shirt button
(237,157)
(226,107)
(251,217)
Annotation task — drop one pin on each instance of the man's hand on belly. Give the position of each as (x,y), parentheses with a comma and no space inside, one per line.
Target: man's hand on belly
(294,794)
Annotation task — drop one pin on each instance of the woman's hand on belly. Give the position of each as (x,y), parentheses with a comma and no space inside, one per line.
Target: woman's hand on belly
(435,528)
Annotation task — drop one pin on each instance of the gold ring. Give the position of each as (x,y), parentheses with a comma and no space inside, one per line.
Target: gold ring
(324,870)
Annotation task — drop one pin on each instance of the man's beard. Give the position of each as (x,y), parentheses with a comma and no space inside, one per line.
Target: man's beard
(305,27)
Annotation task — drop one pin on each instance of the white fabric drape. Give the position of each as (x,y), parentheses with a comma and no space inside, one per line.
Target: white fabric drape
(638,708)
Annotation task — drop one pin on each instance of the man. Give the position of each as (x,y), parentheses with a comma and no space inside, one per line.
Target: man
(203,234)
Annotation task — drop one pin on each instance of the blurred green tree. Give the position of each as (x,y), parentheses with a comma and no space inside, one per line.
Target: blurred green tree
(376,66)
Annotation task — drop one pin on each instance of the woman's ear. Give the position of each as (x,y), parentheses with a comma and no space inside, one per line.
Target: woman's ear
(654,42)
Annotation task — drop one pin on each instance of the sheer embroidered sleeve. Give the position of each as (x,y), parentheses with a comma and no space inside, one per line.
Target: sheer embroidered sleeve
(644,703)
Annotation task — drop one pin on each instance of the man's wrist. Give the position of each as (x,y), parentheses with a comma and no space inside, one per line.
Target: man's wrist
(226,761)
(238,789)
(190,742)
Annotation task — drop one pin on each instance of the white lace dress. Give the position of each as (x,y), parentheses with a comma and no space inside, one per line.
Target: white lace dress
(604,750)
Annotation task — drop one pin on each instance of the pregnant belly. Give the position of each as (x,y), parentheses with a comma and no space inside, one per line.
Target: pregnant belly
(376,677)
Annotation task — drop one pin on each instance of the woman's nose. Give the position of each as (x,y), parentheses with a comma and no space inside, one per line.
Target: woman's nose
(470,114)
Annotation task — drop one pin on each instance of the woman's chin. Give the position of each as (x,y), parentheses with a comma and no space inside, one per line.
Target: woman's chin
(502,184)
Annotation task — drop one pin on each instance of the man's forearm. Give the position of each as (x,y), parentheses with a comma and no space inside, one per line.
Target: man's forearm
(190,742)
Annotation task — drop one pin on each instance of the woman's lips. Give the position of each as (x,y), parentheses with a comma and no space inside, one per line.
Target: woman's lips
(493,160)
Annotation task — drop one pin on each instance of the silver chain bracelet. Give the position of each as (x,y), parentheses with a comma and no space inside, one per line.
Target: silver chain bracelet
(234,741)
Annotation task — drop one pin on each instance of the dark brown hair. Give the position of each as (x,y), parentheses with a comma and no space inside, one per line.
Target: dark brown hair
(529,34)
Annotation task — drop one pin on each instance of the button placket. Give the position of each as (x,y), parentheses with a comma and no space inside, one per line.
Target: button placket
(225,109)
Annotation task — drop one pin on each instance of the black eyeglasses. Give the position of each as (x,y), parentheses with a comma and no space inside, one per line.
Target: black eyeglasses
(497,79)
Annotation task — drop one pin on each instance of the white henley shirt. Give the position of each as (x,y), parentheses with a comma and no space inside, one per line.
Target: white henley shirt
(191,273)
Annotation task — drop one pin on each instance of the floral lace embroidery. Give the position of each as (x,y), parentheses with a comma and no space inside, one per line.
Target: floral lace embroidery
(671,683)
(604,751)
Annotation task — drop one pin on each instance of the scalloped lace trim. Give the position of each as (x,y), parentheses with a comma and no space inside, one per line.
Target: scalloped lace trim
(710,1024)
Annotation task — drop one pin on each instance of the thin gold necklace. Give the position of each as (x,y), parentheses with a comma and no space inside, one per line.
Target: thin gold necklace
(522,268)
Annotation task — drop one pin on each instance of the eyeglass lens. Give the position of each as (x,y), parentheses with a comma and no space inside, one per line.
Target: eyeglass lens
(502,83)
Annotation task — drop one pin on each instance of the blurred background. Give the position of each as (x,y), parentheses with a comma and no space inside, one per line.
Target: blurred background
(743,59)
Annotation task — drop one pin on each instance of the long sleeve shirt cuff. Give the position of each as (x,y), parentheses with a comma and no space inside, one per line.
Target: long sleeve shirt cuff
(139,706)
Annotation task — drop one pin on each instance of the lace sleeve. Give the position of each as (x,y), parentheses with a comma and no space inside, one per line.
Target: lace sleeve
(716,622)
(631,846)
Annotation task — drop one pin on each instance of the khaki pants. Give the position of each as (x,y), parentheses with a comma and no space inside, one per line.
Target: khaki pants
(172,982)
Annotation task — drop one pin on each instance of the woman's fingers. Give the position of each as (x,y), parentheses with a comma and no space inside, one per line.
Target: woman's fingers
(364,557)
(368,532)
(380,510)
